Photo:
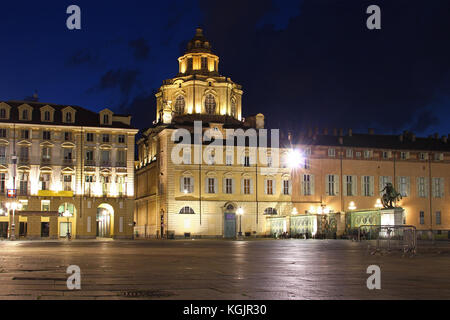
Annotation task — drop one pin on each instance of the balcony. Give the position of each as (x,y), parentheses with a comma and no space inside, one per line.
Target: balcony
(68,162)
(24,160)
(89,163)
(105,163)
(46,161)
(3,160)
(121,164)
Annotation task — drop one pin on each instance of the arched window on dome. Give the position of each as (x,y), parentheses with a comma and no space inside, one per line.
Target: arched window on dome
(233,107)
(210,104)
(187,210)
(179,105)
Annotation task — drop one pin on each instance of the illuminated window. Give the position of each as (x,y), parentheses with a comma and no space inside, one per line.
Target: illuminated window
(270,186)
(46,135)
(270,211)
(25,114)
(331,152)
(211,185)
(286,187)
(187,210)
(247,183)
(45,181)
(422,217)
(2,113)
(228,186)
(89,137)
(233,107)
(68,117)
(121,138)
(210,104)
(179,105)
(47,116)
(45,205)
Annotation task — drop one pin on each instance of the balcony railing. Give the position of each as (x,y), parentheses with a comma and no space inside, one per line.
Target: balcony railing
(45,160)
(68,162)
(24,160)
(105,163)
(121,164)
(90,163)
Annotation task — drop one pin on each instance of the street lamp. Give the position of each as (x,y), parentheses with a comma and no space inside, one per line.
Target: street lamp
(13,206)
(294,159)
(67,214)
(352,205)
(378,204)
(240,212)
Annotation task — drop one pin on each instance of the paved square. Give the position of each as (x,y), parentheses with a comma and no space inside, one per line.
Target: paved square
(218,269)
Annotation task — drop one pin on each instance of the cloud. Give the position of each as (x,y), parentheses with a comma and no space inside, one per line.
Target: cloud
(140,48)
(124,80)
(80,57)
(142,108)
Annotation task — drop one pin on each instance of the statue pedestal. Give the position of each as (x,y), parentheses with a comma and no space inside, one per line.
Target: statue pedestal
(390,217)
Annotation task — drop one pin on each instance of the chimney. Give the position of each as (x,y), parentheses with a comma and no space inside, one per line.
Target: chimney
(335,132)
(341,132)
(341,140)
(350,132)
(400,137)
(413,137)
(371,131)
(325,131)
(444,139)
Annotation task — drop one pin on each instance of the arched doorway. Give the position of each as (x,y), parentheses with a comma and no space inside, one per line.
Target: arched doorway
(66,219)
(229,220)
(105,221)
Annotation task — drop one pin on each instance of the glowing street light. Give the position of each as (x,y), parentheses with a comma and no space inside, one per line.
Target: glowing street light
(294,211)
(378,204)
(294,159)
(67,214)
(352,205)
(240,212)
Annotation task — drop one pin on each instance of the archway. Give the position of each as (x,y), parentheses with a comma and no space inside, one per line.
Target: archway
(105,221)
(66,220)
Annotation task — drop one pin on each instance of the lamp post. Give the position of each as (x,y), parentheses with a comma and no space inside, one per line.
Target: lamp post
(240,212)
(67,214)
(13,206)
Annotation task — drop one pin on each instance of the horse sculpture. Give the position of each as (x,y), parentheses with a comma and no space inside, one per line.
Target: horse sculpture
(390,196)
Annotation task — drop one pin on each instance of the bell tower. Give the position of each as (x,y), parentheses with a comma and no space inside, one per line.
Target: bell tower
(198,90)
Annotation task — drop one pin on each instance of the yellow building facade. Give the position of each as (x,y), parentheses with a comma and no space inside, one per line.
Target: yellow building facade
(72,171)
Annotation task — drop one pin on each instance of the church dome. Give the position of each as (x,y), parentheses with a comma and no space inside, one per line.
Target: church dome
(199,44)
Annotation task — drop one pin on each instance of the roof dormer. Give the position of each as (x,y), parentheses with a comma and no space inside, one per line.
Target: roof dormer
(47,114)
(25,112)
(5,111)
(68,115)
(106,117)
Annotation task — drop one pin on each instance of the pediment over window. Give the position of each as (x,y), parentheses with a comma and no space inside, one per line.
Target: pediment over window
(25,112)
(68,115)
(47,114)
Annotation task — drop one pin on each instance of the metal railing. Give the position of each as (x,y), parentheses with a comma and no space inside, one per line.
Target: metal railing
(390,237)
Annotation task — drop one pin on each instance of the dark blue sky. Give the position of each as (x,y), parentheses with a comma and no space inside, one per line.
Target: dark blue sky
(302,63)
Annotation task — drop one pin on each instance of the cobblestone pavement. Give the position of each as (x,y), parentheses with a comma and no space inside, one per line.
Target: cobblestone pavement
(219,269)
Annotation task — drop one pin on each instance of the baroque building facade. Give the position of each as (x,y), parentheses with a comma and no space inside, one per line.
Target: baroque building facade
(337,181)
(72,169)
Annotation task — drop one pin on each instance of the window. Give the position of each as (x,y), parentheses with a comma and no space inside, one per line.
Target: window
(403,186)
(422,217)
(228,186)
(270,184)
(179,105)
(187,185)
(423,156)
(67,154)
(90,156)
(210,104)
(46,135)
(24,204)
(349,153)
(105,157)
(367,154)
(331,184)
(247,186)
(2,133)
(233,107)
(47,116)
(105,119)
(46,154)
(438,156)
(438,217)
(404,155)
(187,210)
(384,180)
(211,185)
(105,138)
(438,187)
(307,164)
(307,185)
(286,187)
(121,158)
(89,137)
(25,134)
(89,179)
(67,182)
(204,63)
(246,161)
(331,152)
(358,154)
(270,211)
(367,186)
(23,183)
(23,154)
(350,186)
(385,155)
(421,187)
(45,205)
(2,183)
(25,114)
(229,159)
(269,161)
(68,117)
(307,151)
(45,181)
(2,155)
(121,138)
(67,136)
(2,113)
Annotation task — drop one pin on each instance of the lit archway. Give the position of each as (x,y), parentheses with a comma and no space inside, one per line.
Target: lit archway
(67,213)
(105,221)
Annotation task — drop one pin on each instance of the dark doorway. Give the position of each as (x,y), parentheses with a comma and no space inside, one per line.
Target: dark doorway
(23,229)
(3,229)
(45,229)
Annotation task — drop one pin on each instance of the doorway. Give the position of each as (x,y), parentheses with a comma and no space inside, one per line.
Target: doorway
(23,228)
(229,223)
(105,221)
(4,230)
(45,229)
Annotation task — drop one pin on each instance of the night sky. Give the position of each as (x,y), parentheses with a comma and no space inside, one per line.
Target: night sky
(302,63)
